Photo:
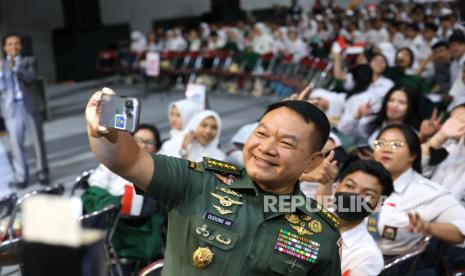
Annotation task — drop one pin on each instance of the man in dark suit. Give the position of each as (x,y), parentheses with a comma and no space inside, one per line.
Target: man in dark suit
(22,107)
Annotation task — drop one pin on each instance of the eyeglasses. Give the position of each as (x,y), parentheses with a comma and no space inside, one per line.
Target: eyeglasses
(393,145)
(146,142)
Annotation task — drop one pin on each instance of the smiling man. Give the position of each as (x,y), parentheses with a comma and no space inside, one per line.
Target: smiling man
(217,222)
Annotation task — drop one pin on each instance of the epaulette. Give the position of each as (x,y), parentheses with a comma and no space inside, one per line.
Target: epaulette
(326,215)
(198,166)
(220,166)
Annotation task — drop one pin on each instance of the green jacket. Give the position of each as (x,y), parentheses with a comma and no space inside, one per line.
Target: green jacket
(133,238)
(244,239)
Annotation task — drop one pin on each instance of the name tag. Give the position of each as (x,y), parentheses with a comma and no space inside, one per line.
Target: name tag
(218,220)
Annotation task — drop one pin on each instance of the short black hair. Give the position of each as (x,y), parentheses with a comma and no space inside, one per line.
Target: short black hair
(440,44)
(373,168)
(11,35)
(457,36)
(413,26)
(411,54)
(431,26)
(413,143)
(311,114)
(155,132)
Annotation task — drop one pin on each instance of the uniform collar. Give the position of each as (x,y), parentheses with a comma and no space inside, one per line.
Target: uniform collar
(403,180)
(350,237)
(244,182)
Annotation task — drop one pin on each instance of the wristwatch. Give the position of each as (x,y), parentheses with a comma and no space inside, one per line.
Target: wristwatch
(183,152)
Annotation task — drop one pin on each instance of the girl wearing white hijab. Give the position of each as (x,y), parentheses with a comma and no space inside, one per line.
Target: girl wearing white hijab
(179,114)
(201,138)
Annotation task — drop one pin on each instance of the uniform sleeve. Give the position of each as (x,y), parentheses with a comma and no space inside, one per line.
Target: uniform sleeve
(333,266)
(454,215)
(173,182)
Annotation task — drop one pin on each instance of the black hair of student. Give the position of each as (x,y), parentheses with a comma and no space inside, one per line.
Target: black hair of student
(373,168)
(410,52)
(412,140)
(413,115)
(11,35)
(155,132)
(310,114)
(363,77)
(380,55)
(431,26)
(440,44)
(458,37)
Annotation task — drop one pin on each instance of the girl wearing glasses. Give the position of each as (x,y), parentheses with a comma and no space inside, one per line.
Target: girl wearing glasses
(418,207)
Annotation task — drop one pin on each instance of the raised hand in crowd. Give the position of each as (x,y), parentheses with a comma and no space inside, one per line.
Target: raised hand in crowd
(188,138)
(325,173)
(430,126)
(418,225)
(364,110)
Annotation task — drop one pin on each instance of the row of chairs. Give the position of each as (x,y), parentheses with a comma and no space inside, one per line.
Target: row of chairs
(246,68)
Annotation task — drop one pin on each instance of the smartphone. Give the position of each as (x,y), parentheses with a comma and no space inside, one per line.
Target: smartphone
(119,112)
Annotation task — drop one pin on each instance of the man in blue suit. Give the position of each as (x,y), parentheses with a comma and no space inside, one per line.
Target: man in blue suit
(22,107)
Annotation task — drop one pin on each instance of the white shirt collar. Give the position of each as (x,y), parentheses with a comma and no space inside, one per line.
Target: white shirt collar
(350,237)
(403,180)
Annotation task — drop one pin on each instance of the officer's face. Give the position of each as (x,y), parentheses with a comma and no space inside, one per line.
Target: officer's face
(280,150)
(206,131)
(366,185)
(12,46)
(397,160)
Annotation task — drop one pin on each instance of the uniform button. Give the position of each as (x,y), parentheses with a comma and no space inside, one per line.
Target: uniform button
(251,256)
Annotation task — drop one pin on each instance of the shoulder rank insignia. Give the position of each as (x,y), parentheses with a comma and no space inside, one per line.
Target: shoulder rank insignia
(196,166)
(220,166)
(329,217)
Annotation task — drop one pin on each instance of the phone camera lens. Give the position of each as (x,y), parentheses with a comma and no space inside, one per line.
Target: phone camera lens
(129,104)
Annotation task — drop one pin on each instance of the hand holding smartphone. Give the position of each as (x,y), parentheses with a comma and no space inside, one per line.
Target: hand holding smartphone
(119,112)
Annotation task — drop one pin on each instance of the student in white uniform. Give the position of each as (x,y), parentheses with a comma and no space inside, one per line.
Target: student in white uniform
(200,139)
(400,106)
(418,207)
(369,101)
(361,180)
(450,173)
(179,114)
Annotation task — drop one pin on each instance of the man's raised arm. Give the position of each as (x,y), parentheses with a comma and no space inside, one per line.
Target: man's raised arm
(117,150)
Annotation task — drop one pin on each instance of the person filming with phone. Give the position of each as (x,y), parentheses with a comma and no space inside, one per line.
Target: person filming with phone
(217,222)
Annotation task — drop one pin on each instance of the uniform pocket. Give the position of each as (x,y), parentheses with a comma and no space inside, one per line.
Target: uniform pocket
(283,264)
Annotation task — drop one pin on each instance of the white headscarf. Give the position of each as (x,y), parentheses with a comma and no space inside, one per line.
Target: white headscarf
(187,109)
(240,137)
(196,151)
(138,42)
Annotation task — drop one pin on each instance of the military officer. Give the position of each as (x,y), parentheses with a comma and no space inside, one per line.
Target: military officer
(218,223)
